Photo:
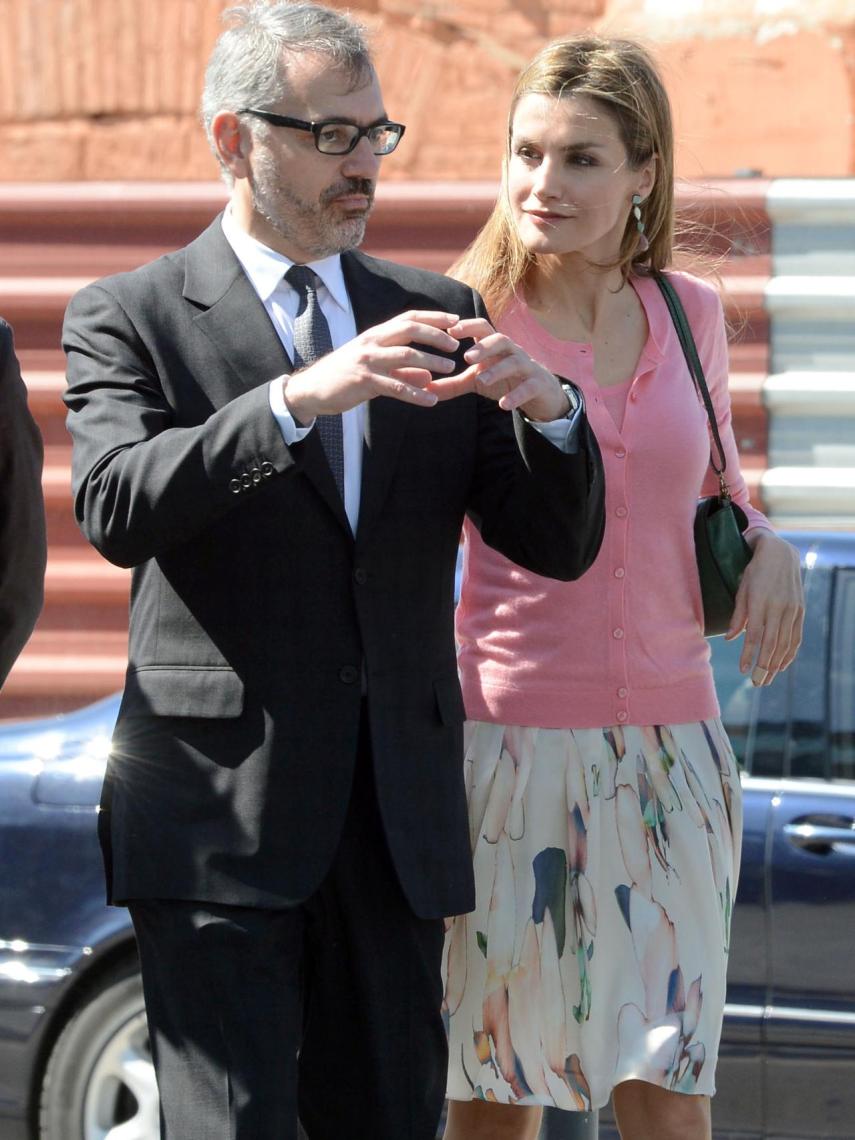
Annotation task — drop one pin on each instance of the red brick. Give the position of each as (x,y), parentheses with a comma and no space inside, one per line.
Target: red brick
(101,81)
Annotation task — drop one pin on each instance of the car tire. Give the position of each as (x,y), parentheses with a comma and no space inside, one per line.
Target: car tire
(99,1075)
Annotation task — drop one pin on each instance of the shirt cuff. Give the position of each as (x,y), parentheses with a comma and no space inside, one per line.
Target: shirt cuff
(563,433)
(291,433)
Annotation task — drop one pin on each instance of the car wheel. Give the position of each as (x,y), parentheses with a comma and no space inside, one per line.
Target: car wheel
(99,1083)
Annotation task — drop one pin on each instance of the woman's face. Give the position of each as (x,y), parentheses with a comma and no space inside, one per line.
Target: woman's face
(570,185)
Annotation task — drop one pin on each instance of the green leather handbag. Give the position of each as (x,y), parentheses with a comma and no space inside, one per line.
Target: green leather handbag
(721,552)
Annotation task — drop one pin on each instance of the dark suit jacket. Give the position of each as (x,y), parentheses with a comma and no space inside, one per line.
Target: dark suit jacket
(254,607)
(23,549)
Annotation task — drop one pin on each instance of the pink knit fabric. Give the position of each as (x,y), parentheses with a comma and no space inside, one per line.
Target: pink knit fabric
(624,644)
(614,399)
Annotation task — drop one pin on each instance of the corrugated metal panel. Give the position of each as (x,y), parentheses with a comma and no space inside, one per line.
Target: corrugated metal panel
(810,395)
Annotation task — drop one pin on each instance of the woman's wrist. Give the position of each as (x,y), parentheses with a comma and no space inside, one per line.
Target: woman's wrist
(755,535)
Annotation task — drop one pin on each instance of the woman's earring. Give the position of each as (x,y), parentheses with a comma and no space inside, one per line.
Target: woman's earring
(643,243)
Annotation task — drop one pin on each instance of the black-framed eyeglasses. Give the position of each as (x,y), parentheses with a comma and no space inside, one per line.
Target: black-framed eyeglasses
(337,136)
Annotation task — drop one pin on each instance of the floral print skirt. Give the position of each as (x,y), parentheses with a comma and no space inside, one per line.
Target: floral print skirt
(606,863)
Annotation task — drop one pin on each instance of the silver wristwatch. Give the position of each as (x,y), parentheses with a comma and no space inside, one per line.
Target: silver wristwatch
(572,395)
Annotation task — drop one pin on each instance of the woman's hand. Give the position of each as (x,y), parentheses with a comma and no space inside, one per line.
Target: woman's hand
(770,607)
(502,371)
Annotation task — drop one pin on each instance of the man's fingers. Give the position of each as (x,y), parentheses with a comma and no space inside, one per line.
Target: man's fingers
(405,356)
(429,317)
(475,328)
(397,388)
(448,387)
(415,377)
(418,327)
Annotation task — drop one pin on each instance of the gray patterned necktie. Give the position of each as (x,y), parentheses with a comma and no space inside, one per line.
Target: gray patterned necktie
(312,340)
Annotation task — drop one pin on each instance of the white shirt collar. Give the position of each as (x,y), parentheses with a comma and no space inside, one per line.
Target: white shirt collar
(265,268)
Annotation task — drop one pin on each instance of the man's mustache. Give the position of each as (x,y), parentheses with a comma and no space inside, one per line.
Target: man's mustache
(349,186)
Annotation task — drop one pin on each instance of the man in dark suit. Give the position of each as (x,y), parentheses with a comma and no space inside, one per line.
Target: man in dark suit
(284,811)
(23,550)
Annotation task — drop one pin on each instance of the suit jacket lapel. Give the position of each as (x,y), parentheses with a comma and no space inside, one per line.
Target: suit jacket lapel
(231,314)
(375,299)
(235,320)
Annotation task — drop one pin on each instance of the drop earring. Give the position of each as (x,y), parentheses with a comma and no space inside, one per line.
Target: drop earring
(643,243)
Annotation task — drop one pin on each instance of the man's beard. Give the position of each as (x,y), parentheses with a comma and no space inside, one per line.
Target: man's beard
(319,228)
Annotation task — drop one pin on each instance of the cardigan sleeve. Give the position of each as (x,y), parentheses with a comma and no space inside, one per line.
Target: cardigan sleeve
(706,318)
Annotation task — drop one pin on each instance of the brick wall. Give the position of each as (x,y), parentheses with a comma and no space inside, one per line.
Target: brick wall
(108,89)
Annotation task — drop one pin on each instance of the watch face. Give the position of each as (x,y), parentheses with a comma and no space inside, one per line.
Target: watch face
(570,393)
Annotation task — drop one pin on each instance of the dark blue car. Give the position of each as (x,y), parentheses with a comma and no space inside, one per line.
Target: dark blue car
(74,1060)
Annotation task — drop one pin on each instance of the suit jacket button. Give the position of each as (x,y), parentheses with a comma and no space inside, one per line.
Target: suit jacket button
(267,469)
(235,487)
(360,575)
(349,674)
(246,480)
(256,475)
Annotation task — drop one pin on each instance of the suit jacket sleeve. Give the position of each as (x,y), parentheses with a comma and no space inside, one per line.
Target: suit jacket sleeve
(141,481)
(23,550)
(546,511)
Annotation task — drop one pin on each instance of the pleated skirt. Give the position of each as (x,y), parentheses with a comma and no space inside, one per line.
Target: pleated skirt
(606,863)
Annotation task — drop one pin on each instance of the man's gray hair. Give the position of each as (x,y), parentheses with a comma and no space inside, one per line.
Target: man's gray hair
(246,68)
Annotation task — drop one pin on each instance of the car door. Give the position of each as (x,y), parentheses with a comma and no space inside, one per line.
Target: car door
(738,1108)
(810,1020)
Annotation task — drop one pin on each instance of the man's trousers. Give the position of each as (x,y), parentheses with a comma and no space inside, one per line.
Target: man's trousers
(329,1009)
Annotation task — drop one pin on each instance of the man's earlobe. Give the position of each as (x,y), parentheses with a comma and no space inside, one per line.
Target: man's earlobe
(229,140)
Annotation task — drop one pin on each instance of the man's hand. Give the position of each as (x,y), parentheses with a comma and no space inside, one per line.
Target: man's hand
(379,362)
(502,371)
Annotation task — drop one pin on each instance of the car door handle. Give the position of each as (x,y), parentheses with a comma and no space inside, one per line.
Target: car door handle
(818,836)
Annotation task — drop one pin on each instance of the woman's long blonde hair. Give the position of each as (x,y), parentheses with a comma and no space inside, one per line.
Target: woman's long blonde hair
(621,76)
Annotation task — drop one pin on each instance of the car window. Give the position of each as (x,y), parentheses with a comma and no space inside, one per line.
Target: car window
(735,695)
(782,729)
(756,720)
(808,755)
(842,678)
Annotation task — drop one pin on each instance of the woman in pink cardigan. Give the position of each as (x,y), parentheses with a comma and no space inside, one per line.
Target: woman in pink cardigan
(603,794)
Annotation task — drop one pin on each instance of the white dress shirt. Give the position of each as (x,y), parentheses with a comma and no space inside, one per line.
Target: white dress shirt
(266,271)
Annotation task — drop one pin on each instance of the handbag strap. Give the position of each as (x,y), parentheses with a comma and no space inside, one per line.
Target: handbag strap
(687,341)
